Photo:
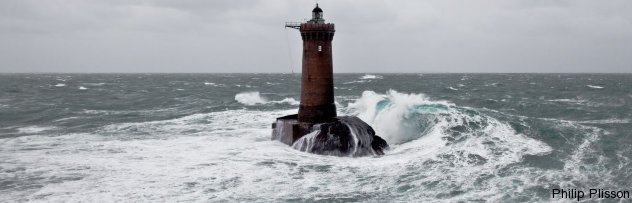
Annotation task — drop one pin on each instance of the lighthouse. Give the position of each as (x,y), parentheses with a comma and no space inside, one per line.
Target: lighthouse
(317,128)
(317,80)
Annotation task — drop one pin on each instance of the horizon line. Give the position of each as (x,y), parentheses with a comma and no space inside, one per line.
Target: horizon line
(301,73)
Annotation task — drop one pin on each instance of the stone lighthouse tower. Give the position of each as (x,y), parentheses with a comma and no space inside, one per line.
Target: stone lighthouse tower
(317,82)
(316,128)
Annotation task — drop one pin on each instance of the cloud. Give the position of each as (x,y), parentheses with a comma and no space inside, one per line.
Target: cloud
(372,35)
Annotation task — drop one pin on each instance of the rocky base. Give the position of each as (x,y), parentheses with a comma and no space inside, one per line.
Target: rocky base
(345,136)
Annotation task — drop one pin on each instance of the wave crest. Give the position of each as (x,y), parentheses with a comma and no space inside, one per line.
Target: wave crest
(370,77)
(460,135)
(255,98)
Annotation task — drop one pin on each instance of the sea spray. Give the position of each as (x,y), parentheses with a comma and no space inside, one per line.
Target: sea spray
(306,143)
(397,117)
(412,120)
(250,98)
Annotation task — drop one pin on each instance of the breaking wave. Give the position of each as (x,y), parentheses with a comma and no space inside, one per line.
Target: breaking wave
(594,86)
(401,118)
(451,141)
(370,77)
(255,98)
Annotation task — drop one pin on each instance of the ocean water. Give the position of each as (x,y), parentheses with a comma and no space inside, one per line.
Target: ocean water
(206,138)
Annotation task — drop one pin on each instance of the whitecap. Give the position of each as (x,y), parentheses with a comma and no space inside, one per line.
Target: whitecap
(452,88)
(82,88)
(214,84)
(60,85)
(290,101)
(594,86)
(370,77)
(34,129)
(607,121)
(355,81)
(567,100)
(250,98)
(254,98)
(495,84)
(94,84)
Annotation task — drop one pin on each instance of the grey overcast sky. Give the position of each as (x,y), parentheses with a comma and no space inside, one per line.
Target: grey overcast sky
(371,35)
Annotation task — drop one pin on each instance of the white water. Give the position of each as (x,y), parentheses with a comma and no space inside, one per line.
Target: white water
(255,98)
(228,156)
(594,86)
(370,77)
(34,129)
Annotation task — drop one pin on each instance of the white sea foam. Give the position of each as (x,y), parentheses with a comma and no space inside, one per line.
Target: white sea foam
(495,84)
(426,129)
(34,129)
(94,84)
(250,98)
(214,84)
(370,77)
(452,88)
(60,85)
(355,81)
(228,156)
(82,88)
(248,86)
(255,98)
(568,100)
(606,121)
(594,86)
(290,101)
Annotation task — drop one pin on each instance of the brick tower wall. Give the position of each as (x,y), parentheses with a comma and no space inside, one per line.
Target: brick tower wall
(317,82)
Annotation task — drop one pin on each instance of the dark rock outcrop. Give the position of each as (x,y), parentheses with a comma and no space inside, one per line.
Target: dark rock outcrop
(345,136)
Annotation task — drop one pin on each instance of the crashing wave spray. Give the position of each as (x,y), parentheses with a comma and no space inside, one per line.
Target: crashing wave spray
(397,117)
(412,118)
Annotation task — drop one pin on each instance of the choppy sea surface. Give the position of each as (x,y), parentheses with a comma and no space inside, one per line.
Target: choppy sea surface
(206,138)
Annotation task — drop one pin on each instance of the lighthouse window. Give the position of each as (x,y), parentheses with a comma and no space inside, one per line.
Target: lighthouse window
(320,48)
